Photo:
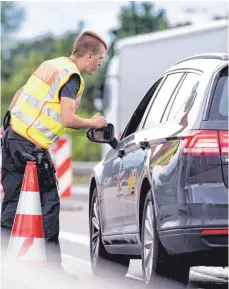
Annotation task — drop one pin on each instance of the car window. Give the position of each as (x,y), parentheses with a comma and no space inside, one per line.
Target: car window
(185,96)
(139,112)
(160,103)
(219,108)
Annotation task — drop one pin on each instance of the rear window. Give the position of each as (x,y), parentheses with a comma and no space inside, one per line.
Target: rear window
(219,108)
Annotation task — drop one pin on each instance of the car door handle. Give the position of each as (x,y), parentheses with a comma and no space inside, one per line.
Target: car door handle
(144,144)
(121,153)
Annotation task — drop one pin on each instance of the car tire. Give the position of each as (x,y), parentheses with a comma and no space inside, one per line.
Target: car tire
(102,263)
(157,264)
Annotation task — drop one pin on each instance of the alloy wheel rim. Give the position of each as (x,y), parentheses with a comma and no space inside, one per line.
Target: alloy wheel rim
(95,231)
(148,241)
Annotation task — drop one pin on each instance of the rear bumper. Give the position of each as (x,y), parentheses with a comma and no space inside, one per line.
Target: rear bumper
(192,215)
(208,249)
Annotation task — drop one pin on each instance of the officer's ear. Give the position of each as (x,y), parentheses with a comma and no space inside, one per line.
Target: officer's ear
(90,54)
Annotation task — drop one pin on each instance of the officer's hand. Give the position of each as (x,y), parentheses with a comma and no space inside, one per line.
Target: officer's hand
(99,121)
(2,131)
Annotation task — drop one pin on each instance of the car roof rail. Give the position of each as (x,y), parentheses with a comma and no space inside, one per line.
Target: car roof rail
(220,56)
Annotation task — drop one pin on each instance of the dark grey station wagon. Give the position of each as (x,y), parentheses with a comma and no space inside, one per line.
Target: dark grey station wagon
(161,193)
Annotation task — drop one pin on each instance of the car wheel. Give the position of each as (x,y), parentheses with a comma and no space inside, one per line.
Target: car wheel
(103,263)
(156,262)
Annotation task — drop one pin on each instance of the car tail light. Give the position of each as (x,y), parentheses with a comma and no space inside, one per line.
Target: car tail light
(223,140)
(214,232)
(201,142)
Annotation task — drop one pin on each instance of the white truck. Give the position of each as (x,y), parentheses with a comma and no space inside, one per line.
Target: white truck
(139,60)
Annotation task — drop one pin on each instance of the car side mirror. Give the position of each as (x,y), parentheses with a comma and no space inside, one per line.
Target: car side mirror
(102,135)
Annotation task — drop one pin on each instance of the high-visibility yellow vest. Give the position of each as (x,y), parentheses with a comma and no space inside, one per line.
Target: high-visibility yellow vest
(36,115)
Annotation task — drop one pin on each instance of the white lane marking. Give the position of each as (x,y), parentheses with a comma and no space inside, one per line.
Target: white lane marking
(209,277)
(80,190)
(76,259)
(89,264)
(76,238)
(219,272)
(134,277)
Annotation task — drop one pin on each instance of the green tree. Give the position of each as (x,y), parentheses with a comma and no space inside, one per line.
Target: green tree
(138,18)
(12,17)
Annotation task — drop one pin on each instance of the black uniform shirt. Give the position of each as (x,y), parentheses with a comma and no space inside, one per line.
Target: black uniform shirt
(71,87)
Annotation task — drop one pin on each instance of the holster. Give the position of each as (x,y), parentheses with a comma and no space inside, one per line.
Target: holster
(46,169)
(47,174)
(6,120)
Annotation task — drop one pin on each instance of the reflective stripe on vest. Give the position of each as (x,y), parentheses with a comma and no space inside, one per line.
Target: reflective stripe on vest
(38,104)
(20,115)
(36,114)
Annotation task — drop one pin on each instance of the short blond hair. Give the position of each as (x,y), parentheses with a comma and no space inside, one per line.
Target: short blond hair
(86,42)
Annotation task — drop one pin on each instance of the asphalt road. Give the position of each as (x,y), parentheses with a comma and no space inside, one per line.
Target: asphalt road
(74,240)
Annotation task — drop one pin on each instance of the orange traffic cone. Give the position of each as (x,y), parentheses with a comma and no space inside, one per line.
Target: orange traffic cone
(27,236)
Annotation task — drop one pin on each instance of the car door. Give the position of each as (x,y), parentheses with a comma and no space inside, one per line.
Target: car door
(135,154)
(111,211)
(113,174)
(165,153)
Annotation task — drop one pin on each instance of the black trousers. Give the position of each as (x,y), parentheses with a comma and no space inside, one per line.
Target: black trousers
(12,179)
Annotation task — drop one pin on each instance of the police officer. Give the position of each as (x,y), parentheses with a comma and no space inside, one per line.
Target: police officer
(40,113)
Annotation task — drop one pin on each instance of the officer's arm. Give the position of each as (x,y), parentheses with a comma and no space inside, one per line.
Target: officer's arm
(71,120)
(68,117)
(77,105)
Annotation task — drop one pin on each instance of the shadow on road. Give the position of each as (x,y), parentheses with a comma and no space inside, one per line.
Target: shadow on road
(207,285)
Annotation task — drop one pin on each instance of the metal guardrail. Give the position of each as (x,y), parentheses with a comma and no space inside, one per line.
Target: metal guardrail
(83,168)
